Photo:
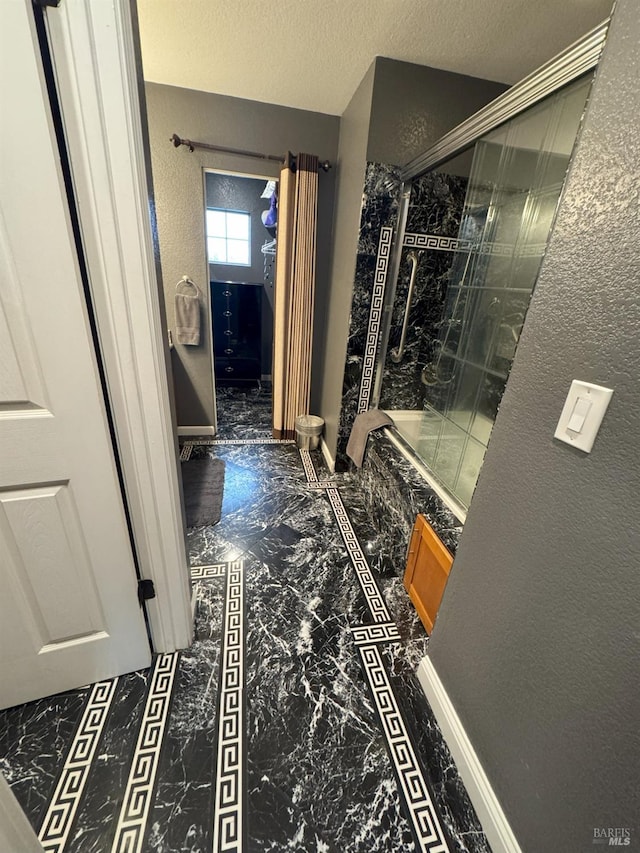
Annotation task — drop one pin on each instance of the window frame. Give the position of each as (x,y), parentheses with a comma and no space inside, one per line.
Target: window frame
(227,240)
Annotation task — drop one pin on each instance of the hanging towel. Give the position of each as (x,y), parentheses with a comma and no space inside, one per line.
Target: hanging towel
(362,426)
(187,308)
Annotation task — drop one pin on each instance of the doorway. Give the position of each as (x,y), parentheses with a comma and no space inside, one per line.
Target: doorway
(240,213)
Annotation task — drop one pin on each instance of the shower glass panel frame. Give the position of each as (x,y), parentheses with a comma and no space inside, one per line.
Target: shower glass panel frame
(514,185)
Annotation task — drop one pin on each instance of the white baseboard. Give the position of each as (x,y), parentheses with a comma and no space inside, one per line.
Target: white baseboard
(196,430)
(328,458)
(481,794)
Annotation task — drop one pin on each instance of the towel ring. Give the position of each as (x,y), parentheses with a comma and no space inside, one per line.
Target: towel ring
(187,281)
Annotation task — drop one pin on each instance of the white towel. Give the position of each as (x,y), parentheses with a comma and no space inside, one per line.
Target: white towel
(187,319)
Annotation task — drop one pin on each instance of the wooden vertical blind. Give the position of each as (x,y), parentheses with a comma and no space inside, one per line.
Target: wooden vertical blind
(294,292)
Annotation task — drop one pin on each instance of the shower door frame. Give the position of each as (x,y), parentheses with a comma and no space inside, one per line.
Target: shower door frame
(575,61)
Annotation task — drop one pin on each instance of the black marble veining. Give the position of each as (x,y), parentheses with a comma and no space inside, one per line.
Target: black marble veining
(379,208)
(318,774)
(34,740)
(450,797)
(394,493)
(244,412)
(98,812)
(435,207)
(183,803)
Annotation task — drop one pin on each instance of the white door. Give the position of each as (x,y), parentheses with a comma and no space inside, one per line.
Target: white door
(69,613)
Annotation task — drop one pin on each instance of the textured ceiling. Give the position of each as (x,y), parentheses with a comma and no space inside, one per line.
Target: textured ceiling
(313,55)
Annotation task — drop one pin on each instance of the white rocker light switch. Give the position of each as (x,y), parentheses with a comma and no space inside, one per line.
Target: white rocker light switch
(582,414)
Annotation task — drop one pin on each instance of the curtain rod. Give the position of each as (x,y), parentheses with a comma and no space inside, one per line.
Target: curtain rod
(325,165)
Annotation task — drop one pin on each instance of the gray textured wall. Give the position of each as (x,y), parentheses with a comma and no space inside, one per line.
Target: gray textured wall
(414,105)
(537,641)
(179,192)
(350,171)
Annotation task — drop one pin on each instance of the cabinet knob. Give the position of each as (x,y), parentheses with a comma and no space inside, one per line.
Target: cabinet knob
(228,369)
(226,314)
(226,293)
(228,351)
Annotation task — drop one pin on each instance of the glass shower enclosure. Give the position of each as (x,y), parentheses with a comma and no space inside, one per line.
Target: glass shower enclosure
(457,325)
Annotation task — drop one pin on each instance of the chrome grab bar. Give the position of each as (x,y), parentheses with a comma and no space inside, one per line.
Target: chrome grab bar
(397,353)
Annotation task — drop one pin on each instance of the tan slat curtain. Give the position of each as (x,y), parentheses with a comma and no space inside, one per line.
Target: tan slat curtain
(294,292)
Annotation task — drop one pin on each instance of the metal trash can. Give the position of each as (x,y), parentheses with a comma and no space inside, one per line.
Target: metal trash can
(308,431)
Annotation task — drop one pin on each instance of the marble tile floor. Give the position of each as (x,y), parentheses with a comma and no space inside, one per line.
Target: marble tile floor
(295,721)
(244,411)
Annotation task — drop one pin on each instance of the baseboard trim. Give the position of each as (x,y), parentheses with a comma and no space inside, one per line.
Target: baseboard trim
(196,430)
(481,794)
(328,458)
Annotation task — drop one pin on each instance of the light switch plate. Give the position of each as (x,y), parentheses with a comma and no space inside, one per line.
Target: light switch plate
(592,398)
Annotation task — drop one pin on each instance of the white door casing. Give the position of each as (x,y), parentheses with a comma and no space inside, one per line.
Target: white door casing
(69,613)
(95,59)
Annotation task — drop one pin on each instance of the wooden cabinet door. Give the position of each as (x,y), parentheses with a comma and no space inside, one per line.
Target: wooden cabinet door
(428,566)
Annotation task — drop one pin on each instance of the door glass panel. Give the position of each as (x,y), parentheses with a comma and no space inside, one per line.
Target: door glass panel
(514,183)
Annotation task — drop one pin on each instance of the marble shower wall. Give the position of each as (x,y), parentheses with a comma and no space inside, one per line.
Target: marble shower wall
(435,208)
(393,493)
(380,199)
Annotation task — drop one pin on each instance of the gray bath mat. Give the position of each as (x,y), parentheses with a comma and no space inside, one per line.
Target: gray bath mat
(203,486)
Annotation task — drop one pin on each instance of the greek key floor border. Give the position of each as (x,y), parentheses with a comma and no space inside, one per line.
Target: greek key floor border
(373,596)
(424,817)
(216,570)
(228,817)
(134,813)
(63,806)
(412,784)
(382,632)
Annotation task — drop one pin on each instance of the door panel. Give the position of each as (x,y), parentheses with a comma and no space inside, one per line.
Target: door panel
(41,533)
(69,613)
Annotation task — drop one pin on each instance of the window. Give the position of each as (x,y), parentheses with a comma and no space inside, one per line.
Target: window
(228,237)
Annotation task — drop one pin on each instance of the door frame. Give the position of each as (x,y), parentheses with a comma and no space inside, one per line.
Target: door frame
(97,68)
(233,174)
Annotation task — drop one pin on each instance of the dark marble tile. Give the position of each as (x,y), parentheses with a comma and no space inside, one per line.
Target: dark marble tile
(34,741)
(244,412)
(395,493)
(95,823)
(402,385)
(181,818)
(436,204)
(435,207)
(319,776)
(380,198)
(263,483)
(454,808)
(379,208)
